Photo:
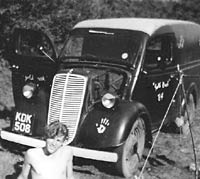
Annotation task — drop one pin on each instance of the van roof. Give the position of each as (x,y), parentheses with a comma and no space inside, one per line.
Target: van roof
(146,25)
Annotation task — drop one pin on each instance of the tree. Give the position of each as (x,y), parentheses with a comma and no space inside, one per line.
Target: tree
(57,17)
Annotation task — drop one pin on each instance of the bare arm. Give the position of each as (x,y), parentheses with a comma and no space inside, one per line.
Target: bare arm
(25,168)
(70,165)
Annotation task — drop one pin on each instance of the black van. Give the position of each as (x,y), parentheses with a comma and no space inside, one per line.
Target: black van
(112,84)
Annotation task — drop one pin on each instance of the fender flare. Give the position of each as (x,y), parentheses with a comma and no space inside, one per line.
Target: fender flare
(121,118)
(139,110)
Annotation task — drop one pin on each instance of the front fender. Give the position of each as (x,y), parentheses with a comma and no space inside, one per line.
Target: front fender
(105,128)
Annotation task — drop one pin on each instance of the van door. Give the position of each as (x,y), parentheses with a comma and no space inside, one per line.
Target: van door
(33,61)
(32,50)
(157,82)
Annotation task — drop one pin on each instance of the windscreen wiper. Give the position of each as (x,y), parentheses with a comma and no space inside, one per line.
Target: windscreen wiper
(42,50)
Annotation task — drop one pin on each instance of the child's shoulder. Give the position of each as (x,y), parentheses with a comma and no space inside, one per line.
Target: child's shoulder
(67,149)
(34,151)
(32,154)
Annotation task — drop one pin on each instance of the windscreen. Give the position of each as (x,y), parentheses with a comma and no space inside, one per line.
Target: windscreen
(119,45)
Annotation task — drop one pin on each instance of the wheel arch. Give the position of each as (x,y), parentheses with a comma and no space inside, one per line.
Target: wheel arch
(139,111)
(121,120)
(130,152)
(147,121)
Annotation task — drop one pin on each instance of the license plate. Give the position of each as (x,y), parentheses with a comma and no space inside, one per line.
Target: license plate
(23,123)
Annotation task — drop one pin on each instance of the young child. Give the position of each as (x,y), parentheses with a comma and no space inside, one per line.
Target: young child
(54,161)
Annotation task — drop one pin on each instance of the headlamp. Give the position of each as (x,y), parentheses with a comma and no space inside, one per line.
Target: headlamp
(29,89)
(108,100)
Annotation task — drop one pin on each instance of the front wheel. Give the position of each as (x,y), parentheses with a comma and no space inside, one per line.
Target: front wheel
(130,153)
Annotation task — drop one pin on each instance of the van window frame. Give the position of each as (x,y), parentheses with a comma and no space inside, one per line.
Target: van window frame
(162,59)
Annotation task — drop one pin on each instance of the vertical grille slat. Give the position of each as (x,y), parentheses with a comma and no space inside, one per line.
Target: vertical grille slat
(66,100)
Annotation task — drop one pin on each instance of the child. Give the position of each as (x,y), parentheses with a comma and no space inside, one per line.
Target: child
(54,161)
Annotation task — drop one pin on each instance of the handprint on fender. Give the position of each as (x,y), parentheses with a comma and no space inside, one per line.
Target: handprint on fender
(102,126)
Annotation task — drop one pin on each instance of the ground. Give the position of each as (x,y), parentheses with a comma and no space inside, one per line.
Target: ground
(172,156)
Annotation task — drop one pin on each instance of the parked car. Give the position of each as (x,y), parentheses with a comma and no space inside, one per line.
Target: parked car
(111,84)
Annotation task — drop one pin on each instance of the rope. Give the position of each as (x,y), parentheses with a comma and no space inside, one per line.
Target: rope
(188,118)
(161,125)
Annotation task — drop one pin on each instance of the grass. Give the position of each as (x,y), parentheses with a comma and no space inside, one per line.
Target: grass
(8,163)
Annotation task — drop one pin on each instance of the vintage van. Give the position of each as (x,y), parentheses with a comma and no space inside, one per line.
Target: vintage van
(111,84)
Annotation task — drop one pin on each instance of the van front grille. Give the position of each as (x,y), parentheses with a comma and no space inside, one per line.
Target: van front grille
(66,100)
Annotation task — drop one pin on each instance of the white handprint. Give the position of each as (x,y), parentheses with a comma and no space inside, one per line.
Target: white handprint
(102,126)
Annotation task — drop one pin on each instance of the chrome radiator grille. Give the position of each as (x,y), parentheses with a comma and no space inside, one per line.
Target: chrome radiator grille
(66,101)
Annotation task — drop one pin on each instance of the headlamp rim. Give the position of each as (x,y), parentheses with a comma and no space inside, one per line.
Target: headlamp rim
(108,97)
(31,87)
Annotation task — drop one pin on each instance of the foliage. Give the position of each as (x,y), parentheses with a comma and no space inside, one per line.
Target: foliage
(188,10)
(56,17)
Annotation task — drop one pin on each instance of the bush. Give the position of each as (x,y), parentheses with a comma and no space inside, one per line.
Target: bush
(56,17)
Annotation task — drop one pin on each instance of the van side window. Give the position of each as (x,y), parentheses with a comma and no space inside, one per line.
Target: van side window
(29,43)
(159,52)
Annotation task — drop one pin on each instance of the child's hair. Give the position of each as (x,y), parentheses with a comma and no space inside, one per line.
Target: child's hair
(56,128)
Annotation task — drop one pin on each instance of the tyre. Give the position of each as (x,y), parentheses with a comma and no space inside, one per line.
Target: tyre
(188,111)
(191,109)
(130,153)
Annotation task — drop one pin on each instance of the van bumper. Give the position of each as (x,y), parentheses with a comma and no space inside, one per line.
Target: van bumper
(78,152)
